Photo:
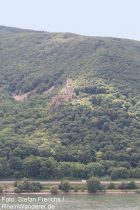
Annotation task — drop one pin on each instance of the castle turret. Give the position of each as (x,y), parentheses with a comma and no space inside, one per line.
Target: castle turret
(67,95)
(69,89)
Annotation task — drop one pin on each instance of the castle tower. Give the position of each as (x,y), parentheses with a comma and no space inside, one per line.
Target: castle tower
(66,96)
(69,89)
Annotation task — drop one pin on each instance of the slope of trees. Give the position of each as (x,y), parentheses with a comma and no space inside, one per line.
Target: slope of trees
(98,134)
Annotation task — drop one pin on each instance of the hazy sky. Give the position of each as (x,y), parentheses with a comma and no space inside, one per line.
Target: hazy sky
(117,18)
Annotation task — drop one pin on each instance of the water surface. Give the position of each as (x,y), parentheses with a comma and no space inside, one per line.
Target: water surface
(71,202)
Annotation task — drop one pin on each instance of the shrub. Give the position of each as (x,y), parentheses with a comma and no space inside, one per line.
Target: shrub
(123,186)
(111,186)
(54,190)
(83,189)
(76,189)
(27,186)
(129,185)
(65,186)
(93,185)
(36,187)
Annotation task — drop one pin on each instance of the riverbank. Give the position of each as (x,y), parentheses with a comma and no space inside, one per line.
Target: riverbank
(74,187)
(44,182)
(72,192)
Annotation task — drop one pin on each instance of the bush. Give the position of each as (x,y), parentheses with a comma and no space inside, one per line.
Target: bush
(17,190)
(27,186)
(65,186)
(123,186)
(83,189)
(76,189)
(111,186)
(130,185)
(54,190)
(36,187)
(93,185)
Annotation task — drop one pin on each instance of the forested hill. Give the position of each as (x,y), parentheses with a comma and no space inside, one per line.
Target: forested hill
(97,131)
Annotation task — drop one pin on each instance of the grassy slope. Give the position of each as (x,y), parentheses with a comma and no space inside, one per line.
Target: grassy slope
(31,60)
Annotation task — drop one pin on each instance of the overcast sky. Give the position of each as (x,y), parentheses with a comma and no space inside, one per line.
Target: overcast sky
(117,18)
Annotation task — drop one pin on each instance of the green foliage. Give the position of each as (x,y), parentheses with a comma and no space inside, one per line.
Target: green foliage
(76,188)
(125,164)
(135,173)
(129,185)
(120,173)
(54,190)
(65,186)
(111,186)
(93,185)
(98,131)
(31,166)
(27,186)
(123,186)
(92,90)
(48,168)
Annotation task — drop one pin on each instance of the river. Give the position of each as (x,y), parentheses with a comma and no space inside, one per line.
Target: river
(71,202)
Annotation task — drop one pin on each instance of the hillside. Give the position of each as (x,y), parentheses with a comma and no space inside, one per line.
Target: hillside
(97,131)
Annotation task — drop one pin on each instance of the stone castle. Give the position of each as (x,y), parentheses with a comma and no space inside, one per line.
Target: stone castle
(66,96)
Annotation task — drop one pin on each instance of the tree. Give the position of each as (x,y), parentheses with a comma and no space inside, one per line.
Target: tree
(72,170)
(120,173)
(125,164)
(4,168)
(15,163)
(95,169)
(48,168)
(93,185)
(135,173)
(31,166)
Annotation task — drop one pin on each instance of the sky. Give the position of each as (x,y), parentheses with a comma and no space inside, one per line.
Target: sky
(111,18)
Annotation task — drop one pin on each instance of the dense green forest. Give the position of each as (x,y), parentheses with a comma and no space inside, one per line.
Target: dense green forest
(97,134)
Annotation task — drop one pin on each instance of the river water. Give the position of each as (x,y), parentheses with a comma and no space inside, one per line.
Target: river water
(70,202)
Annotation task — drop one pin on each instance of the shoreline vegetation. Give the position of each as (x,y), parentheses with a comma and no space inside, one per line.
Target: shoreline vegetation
(64,187)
